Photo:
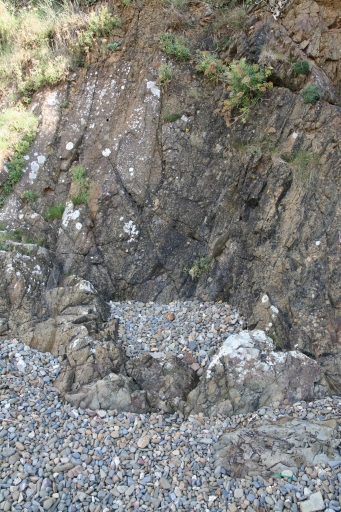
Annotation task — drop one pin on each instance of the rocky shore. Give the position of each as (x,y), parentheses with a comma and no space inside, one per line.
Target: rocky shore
(57,457)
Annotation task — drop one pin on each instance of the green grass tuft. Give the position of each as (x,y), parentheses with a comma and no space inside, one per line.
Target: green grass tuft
(170,117)
(54,212)
(176,46)
(311,94)
(301,67)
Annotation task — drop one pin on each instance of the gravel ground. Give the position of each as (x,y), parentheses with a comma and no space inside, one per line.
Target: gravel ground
(56,458)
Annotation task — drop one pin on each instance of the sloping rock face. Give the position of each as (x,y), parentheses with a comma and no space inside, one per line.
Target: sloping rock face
(164,193)
(273,448)
(247,374)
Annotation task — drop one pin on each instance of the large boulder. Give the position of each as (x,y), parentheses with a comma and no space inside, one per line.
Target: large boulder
(272,448)
(248,373)
(166,379)
(113,392)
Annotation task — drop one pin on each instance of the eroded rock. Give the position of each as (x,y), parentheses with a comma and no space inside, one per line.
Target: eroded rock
(247,373)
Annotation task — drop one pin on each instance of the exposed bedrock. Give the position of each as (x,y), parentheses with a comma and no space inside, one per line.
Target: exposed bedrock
(162,194)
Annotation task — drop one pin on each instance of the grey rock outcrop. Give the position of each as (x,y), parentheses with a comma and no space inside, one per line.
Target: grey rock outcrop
(268,448)
(113,392)
(247,373)
(165,378)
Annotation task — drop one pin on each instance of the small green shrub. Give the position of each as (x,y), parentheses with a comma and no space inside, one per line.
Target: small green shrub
(301,67)
(175,45)
(311,94)
(29,196)
(165,73)
(83,185)
(113,46)
(210,65)
(246,84)
(127,3)
(102,22)
(199,267)
(169,117)
(54,212)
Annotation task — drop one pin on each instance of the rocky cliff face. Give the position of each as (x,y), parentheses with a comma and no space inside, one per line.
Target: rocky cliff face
(262,199)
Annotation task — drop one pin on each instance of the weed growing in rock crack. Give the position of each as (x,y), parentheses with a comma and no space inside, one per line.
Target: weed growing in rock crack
(306,166)
(165,74)
(29,196)
(276,341)
(237,17)
(175,45)
(246,85)
(127,3)
(83,185)
(301,67)
(210,65)
(311,94)
(199,267)
(178,5)
(54,212)
(170,117)
(113,46)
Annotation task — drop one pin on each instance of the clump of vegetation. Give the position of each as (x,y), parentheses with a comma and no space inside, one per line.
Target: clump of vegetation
(17,235)
(127,3)
(17,132)
(306,166)
(178,5)
(246,84)
(311,94)
(165,74)
(301,67)
(209,64)
(222,44)
(113,46)
(199,267)
(29,196)
(237,17)
(171,117)
(175,45)
(83,185)
(54,212)
(39,46)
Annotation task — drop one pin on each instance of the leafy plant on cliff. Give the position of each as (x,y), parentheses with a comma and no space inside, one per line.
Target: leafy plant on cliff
(175,45)
(29,196)
(210,65)
(199,267)
(82,183)
(54,211)
(165,74)
(301,67)
(246,85)
(171,117)
(311,94)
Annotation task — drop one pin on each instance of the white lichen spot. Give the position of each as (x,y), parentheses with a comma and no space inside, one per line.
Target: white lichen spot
(265,298)
(318,242)
(78,226)
(153,89)
(106,152)
(34,170)
(69,214)
(131,170)
(21,216)
(295,135)
(87,286)
(26,157)
(130,229)
(184,119)
(69,146)
(274,309)
(41,159)
(52,99)
(121,218)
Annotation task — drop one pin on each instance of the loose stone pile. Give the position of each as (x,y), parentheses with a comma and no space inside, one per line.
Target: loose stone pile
(56,458)
(181,328)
